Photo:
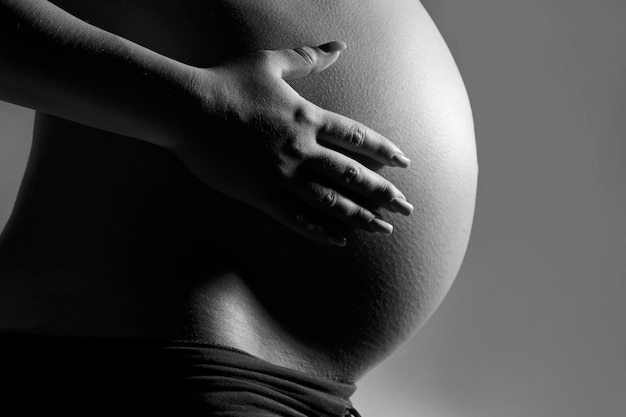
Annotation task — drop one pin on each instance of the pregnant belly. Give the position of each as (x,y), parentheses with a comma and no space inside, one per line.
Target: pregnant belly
(356,304)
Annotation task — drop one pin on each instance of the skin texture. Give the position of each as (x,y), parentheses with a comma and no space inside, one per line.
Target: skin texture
(272,150)
(113,238)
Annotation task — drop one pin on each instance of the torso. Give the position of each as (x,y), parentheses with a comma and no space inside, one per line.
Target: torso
(113,237)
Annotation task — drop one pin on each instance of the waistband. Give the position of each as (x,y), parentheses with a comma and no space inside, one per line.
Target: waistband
(185,378)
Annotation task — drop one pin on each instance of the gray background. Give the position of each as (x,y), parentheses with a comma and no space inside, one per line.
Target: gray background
(535,325)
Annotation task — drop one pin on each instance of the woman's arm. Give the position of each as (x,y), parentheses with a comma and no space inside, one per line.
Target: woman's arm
(58,64)
(272,150)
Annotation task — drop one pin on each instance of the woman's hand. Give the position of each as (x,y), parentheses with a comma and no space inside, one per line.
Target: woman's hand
(239,126)
(258,141)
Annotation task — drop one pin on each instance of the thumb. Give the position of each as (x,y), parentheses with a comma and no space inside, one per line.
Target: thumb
(305,60)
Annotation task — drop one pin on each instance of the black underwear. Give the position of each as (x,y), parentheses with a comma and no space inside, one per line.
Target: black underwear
(81,376)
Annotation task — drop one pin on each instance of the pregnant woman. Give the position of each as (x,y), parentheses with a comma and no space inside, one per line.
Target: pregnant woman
(214,223)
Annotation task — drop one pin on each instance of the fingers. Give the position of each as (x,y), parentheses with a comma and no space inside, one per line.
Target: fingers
(347,134)
(347,174)
(341,208)
(298,216)
(305,60)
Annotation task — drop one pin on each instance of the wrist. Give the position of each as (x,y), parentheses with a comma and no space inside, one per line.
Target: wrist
(169,112)
(201,106)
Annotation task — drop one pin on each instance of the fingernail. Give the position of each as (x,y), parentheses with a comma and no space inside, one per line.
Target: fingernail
(381,226)
(334,46)
(400,160)
(337,241)
(402,206)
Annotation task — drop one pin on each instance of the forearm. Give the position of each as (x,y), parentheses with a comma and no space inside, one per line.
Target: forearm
(53,62)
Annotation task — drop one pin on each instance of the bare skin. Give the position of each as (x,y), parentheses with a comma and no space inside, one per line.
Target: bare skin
(119,238)
(274,134)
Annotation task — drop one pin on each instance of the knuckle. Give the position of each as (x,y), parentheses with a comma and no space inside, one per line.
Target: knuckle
(307,54)
(305,224)
(351,174)
(360,213)
(284,172)
(361,216)
(329,199)
(381,147)
(356,135)
(304,115)
(385,189)
(295,149)
(263,57)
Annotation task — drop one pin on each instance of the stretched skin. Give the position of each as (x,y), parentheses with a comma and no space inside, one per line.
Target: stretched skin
(200,265)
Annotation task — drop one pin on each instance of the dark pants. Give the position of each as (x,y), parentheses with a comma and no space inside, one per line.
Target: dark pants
(72,376)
